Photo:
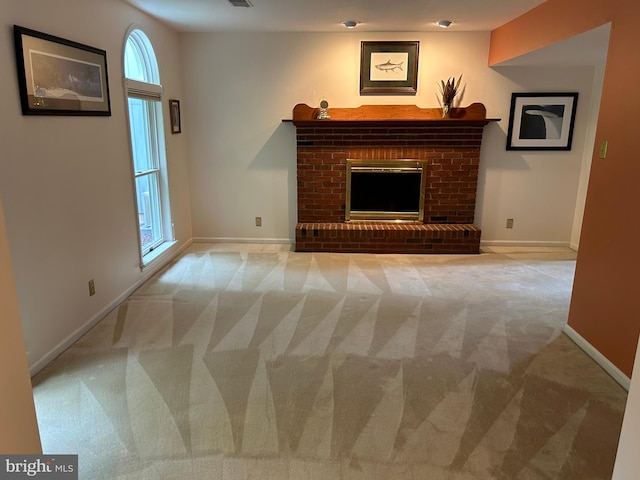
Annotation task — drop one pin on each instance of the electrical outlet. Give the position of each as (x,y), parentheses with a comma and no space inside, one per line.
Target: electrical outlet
(602,152)
(509,222)
(258,221)
(92,288)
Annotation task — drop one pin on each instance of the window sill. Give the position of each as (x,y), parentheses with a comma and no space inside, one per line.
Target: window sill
(156,254)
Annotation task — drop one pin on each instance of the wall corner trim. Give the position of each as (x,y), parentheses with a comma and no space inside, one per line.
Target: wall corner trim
(599,358)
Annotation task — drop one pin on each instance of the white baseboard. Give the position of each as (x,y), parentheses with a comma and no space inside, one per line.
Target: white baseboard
(71,339)
(289,241)
(285,241)
(523,243)
(599,358)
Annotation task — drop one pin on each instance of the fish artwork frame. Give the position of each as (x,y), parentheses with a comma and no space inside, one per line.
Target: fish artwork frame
(389,68)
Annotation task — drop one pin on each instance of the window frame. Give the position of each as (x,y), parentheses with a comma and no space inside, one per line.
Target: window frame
(153,93)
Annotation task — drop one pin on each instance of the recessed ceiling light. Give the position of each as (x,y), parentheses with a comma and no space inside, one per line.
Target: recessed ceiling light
(444,23)
(350,23)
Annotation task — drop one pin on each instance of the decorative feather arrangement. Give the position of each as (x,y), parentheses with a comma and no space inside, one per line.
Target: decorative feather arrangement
(449,90)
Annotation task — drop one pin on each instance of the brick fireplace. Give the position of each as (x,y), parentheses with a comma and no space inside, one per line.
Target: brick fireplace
(449,149)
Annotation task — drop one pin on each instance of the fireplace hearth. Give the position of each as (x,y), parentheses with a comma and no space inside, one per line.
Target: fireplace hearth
(418,173)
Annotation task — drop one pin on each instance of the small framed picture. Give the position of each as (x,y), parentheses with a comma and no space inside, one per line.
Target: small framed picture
(174,114)
(541,121)
(389,68)
(60,77)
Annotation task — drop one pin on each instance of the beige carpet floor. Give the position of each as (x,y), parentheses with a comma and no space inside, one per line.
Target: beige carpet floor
(255,362)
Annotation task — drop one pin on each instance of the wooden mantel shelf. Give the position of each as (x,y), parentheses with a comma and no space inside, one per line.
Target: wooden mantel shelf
(407,115)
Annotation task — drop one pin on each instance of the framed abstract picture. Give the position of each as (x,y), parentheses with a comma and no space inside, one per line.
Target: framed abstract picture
(541,121)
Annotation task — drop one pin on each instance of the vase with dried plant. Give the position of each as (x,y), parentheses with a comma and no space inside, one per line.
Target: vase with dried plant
(449,91)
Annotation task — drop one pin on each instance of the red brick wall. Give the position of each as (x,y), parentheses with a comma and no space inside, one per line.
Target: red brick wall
(452,154)
(386,238)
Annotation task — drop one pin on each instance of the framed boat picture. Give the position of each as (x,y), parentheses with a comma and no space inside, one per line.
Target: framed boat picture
(60,77)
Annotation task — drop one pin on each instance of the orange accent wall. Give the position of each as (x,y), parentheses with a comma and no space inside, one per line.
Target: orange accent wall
(18,426)
(605,305)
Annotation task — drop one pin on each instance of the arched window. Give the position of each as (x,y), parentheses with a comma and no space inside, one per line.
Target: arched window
(140,60)
(144,100)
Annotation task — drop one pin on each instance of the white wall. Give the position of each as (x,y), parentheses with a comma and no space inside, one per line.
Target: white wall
(627,459)
(587,154)
(242,158)
(538,189)
(65,181)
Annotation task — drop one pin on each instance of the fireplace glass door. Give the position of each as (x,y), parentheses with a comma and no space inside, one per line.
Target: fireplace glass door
(385,190)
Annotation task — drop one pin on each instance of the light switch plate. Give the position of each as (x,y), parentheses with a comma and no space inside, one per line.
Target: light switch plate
(602,153)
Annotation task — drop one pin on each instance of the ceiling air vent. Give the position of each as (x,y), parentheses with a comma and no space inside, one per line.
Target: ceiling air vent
(240,3)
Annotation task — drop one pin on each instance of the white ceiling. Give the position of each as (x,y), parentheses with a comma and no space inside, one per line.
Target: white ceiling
(328,15)
(373,16)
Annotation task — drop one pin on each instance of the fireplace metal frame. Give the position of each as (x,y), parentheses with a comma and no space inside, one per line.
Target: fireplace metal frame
(398,166)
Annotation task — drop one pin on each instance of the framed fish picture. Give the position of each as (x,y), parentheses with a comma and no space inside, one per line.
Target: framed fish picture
(389,68)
